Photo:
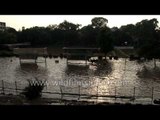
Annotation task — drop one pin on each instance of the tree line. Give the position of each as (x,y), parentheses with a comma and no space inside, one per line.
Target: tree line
(144,36)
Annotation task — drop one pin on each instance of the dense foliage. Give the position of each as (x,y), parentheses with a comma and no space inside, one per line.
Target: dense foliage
(144,36)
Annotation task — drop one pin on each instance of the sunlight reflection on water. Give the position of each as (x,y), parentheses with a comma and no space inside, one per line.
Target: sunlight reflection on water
(115,73)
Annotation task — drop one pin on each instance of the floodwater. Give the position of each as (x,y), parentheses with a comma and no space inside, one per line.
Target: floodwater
(120,77)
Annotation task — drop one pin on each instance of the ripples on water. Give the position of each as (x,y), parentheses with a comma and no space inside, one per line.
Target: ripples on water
(123,74)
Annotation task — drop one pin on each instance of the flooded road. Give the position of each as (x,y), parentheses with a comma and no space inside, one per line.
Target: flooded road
(118,77)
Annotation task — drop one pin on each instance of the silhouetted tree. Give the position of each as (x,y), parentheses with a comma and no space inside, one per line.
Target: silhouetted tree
(148,36)
(105,40)
(88,36)
(8,36)
(99,22)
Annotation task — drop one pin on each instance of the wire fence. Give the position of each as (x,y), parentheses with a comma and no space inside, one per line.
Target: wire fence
(117,93)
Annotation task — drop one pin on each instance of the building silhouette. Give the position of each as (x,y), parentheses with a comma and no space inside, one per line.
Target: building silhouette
(2,26)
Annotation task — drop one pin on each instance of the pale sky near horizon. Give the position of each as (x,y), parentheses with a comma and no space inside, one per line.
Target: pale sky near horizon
(28,21)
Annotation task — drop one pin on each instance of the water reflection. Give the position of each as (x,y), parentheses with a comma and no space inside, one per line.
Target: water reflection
(145,72)
(149,76)
(87,76)
(103,69)
(29,66)
(30,71)
(120,73)
(99,69)
(77,69)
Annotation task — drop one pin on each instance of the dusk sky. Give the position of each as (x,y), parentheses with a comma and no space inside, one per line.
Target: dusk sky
(18,21)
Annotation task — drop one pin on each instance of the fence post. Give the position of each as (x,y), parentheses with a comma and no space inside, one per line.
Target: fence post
(61,93)
(115,92)
(45,62)
(16,86)
(79,90)
(20,60)
(67,60)
(46,87)
(3,92)
(152,94)
(97,93)
(35,60)
(134,93)
(85,59)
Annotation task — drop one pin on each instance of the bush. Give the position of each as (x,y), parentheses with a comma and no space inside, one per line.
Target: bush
(34,89)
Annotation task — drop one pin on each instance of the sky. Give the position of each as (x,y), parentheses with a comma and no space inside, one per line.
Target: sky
(28,21)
